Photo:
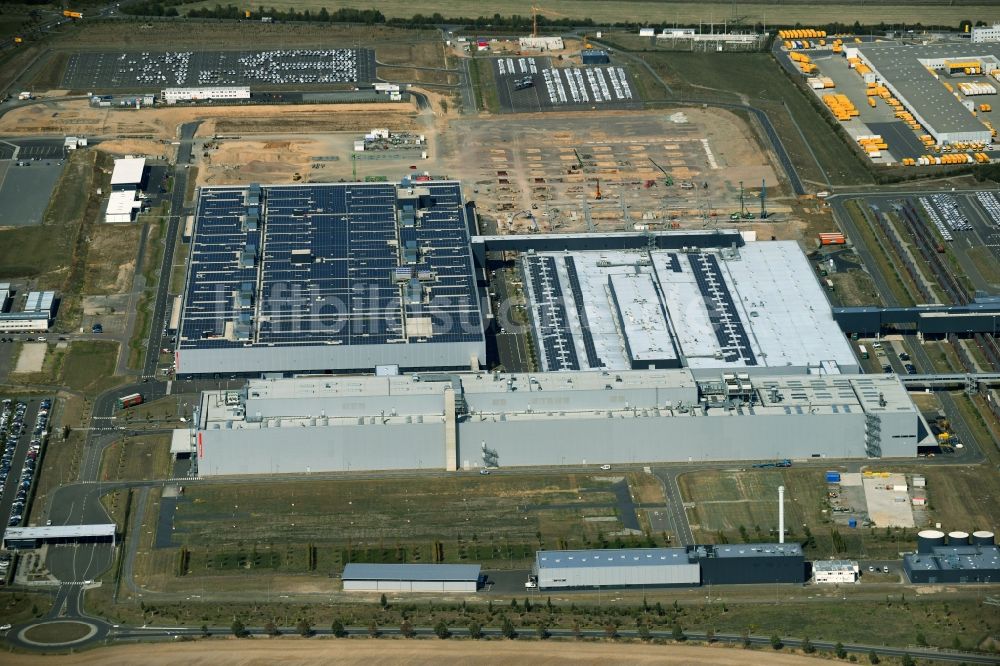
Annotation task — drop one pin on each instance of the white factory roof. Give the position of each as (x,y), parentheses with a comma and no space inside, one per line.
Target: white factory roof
(122,202)
(834,565)
(59,532)
(776,301)
(39,301)
(128,171)
(642,318)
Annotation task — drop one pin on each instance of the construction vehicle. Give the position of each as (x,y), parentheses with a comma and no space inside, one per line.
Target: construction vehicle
(598,195)
(18,40)
(246,13)
(72,15)
(668,179)
(742,213)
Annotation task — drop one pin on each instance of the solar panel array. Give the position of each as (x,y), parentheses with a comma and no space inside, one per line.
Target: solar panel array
(593,360)
(722,312)
(554,337)
(329,265)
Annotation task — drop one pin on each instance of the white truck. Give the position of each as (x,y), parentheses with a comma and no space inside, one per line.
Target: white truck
(25,95)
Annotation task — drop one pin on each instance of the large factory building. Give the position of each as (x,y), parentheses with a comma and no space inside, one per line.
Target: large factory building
(340,277)
(670,567)
(476,420)
(756,309)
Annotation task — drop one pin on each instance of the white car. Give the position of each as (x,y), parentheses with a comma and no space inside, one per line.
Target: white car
(605,467)
(4,627)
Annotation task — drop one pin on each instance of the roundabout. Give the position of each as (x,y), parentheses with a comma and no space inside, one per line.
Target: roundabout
(58,633)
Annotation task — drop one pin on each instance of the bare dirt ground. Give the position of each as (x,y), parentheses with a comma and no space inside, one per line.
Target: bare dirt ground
(291,650)
(32,358)
(79,118)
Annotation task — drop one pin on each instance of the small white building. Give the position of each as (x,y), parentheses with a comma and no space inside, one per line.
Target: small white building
(127,174)
(411,577)
(35,317)
(207,93)
(122,205)
(835,571)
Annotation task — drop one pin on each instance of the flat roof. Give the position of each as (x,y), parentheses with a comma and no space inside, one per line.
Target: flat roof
(642,317)
(122,202)
(59,532)
(757,550)
(128,171)
(944,558)
(760,307)
(39,302)
(330,264)
(901,66)
(611,557)
(424,572)
(834,565)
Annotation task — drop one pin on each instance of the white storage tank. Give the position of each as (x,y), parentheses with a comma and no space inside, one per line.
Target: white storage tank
(958,538)
(983,538)
(927,540)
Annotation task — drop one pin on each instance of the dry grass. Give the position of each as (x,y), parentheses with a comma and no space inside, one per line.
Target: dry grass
(111,259)
(140,458)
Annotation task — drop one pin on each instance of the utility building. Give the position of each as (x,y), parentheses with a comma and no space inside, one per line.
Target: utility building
(411,577)
(969,563)
(475,420)
(205,94)
(835,571)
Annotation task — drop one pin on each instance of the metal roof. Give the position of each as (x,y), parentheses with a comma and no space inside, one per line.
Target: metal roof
(834,565)
(758,550)
(424,572)
(624,557)
(128,171)
(122,202)
(59,532)
(942,558)
(39,301)
(901,66)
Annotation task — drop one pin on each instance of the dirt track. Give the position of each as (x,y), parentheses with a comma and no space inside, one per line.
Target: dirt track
(395,652)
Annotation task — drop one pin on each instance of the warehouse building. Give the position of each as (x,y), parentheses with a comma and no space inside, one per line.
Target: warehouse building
(669,567)
(205,94)
(411,577)
(595,57)
(835,571)
(122,206)
(476,420)
(128,174)
(27,538)
(915,74)
(337,277)
(986,33)
(756,309)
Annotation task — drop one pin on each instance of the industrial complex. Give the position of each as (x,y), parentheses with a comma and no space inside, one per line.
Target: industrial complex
(482,420)
(957,558)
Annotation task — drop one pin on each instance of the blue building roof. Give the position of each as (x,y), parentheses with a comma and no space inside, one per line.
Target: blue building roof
(423,572)
(966,558)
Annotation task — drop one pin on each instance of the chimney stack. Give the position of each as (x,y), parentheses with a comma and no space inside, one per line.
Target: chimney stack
(781,514)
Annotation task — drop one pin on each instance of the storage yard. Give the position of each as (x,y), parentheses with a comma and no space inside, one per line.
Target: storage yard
(529,84)
(155,70)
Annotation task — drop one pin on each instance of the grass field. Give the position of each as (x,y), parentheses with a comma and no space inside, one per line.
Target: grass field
(317,526)
(86,366)
(738,77)
(656,13)
(726,500)
(140,458)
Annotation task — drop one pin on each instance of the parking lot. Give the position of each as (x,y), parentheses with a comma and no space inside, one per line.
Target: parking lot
(532,84)
(26,185)
(154,70)
(23,431)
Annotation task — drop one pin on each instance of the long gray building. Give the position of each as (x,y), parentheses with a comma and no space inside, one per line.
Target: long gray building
(477,420)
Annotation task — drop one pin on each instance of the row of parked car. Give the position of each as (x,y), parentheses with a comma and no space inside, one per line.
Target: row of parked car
(14,431)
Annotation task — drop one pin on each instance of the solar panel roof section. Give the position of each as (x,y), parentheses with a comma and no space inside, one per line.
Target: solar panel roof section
(303,266)
(593,360)
(722,311)
(548,314)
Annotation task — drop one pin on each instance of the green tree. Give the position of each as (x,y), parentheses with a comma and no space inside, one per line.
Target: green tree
(907,660)
(610,630)
(710,635)
(238,629)
(577,632)
(527,605)
(205,633)
(441,630)
(270,628)
(383,602)
(956,643)
(776,642)
(507,628)
(513,604)
(677,633)
(745,638)
(807,646)
(475,631)
(373,631)
(304,628)
(839,650)
(644,633)
(542,631)
(873,657)
(921,639)
(337,629)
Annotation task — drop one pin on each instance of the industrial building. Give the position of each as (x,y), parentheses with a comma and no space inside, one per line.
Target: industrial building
(916,73)
(336,277)
(670,567)
(126,179)
(755,309)
(595,57)
(411,577)
(990,33)
(540,43)
(835,571)
(27,538)
(205,94)
(476,420)
(35,316)
(955,558)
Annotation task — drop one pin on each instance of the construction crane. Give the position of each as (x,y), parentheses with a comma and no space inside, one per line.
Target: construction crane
(763,200)
(742,213)
(598,195)
(669,180)
(535,11)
